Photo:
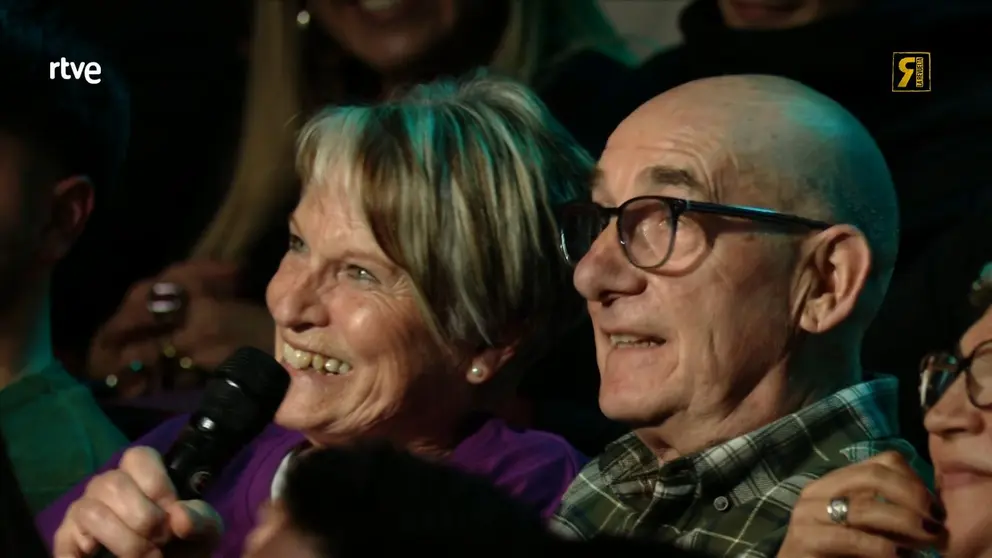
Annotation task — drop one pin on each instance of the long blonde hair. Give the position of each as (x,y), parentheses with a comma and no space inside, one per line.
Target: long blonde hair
(540,35)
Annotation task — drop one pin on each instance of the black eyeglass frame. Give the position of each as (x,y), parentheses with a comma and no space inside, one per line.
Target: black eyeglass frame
(679,207)
(962,365)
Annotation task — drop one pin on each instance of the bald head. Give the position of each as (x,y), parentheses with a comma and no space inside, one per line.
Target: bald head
(776,143)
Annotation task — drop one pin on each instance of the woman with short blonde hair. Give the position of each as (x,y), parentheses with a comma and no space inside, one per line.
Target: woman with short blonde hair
(421,280)
(309,54)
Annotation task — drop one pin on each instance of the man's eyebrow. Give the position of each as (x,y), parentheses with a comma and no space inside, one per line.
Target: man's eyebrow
(662,175)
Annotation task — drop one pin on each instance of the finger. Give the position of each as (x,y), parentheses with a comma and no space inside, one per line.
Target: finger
(118,491)
(877,479)
(145,466)
(203,277)
(143,363)
(195,519)
(894,461)
(133,310)
(836,540)
(70,542)
(895,522)
(100,522)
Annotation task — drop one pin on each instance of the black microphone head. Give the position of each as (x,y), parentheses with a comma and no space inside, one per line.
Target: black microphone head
(245,391)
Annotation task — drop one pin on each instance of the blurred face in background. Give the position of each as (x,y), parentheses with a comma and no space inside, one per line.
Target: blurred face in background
(20,218)
(390,35)
(781,14)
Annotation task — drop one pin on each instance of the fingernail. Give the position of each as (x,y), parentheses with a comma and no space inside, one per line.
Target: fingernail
(932,527)
(937,512)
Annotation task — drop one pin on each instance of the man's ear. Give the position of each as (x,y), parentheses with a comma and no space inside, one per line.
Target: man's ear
(71,206)
(838,267)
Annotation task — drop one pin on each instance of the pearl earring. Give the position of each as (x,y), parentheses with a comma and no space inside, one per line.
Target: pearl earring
(476,371)
(303,19)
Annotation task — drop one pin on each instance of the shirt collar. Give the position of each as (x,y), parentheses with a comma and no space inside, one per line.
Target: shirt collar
(745,465)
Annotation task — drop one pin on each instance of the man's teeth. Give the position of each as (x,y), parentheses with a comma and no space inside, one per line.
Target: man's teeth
(632,341)
(302,360)
(378,5)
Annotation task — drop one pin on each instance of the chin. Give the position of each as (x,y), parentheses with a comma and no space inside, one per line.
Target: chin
(301,410)
(630,409)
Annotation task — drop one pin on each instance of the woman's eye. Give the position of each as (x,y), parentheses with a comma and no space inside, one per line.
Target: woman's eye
(296,243)
(361,274)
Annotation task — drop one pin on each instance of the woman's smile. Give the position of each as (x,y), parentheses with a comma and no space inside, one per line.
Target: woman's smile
(302,360)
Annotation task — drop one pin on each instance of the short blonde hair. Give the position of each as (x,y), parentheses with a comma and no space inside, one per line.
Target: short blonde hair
(459,183)
(540,35)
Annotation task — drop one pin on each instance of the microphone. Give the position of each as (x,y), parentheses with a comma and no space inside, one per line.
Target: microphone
(239,402)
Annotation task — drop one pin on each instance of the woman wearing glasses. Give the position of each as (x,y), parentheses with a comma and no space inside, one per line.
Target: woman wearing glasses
(880,508)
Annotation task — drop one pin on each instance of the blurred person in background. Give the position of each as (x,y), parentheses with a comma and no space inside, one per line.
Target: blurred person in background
(934,142)
(61,141)
(228,236)
(18,536)
(420,283)
(880,507)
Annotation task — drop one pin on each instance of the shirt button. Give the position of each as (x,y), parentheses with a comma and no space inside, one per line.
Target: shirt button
(721,503)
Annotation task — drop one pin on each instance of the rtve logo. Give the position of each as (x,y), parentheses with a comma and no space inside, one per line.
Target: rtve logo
(90,71)
(911,72)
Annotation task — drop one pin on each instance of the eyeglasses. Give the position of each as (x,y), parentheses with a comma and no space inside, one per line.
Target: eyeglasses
(647,227)
(940,370)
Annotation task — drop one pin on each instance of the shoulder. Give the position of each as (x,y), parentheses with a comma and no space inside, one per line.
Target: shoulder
(535,466)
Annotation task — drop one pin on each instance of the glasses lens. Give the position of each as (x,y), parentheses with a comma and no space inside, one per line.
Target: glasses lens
(647,231)
(937,372)
(980,384)
(581,224)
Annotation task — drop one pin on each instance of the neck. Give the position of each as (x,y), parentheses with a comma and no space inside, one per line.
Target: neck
(795,382)
(25,336)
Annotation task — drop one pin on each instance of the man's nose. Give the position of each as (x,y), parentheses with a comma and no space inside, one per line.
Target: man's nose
(953,412)
(604,272)
(295,303)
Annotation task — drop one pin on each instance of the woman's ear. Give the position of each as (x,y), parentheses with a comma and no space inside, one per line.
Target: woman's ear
(485,365)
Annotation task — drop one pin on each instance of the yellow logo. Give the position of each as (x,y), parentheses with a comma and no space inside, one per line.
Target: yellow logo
(911,72)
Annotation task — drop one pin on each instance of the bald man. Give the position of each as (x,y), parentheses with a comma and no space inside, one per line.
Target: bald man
(740,238)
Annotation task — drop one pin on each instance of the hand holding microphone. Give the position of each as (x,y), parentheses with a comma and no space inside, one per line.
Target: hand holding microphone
(134,511)
(150,503)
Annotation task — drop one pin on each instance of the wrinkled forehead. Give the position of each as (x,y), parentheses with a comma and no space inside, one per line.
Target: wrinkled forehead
(678,167)
(673,153)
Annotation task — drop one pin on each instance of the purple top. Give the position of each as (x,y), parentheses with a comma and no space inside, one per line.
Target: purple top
(534,466)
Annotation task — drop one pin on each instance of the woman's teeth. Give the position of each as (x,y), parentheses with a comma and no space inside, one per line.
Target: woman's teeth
(302,360)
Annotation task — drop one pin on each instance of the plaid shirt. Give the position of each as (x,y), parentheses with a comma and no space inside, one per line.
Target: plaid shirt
(734,498)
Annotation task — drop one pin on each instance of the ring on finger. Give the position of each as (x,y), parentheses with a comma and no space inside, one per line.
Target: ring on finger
(837,510)
(166,300)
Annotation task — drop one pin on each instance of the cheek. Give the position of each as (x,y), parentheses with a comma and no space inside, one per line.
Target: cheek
(384,332)
(731,310)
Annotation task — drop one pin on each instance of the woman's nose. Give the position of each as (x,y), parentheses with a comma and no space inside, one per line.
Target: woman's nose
(953,413)
(294,301)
